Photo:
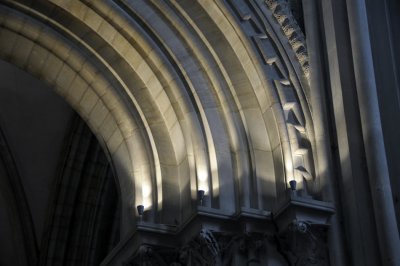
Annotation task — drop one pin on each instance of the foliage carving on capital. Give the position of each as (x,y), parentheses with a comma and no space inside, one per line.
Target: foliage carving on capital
(202,250)
(249,246)
(208,248)
(146,256)
(304,244)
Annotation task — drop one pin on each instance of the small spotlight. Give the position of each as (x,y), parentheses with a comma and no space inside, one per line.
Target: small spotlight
(293,184)
(200,195)
(140,210)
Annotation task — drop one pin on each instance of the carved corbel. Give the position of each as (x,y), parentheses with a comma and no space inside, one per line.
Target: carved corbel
(304,244)
(242,248)
(202,250)
(146,256)
(302,225)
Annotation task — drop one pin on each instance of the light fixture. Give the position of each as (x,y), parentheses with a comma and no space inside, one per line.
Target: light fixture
(140,210)
(293,184)
(200,195)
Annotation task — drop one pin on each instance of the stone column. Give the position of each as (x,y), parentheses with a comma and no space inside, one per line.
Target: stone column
(319,114)
(388,234)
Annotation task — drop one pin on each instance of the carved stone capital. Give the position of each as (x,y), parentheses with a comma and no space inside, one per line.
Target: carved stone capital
(305,244)
(202,250)
(146,256)
(208,248)
(302,230)
(248,248)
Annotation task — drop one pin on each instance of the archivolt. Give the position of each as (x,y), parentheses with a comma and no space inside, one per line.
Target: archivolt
(179,92)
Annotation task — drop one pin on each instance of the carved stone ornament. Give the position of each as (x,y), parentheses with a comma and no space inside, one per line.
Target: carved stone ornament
(249,246)
(283,15)
(206,249)
(203,250)
(302,224)
(304,244)
(146,256)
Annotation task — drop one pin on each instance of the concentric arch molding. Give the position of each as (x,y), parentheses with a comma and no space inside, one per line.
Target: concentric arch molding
(184,95)
(280,45)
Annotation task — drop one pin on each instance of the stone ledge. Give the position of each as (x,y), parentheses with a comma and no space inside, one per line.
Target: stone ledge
(305,209)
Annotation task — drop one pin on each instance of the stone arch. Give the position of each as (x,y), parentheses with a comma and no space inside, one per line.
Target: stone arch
(177,93)
(80,84)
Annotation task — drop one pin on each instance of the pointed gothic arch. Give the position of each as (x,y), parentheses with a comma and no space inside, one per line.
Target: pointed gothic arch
(184,96)
(158,80)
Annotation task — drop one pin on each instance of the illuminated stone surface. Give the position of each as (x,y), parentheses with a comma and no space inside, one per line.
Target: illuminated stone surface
(181,96)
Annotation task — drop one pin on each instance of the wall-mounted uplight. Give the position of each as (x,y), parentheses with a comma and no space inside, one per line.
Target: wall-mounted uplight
(293,184)
(140,210)
(200,196)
